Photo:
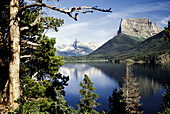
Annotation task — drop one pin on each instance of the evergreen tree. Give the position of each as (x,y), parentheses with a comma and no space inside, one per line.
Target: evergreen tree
(29,27)
(131,92)
(165,106)
(42,85)
(88,97)
(116,103)
(167,31)
(29,45)
(39,62)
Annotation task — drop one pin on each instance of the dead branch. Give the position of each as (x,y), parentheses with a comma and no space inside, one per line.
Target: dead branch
(5,95)
(34,99)
(30,43)
(67,11)
(25,56)
(33,76)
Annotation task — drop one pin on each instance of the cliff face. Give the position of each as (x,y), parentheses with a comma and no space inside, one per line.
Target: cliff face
(139,28)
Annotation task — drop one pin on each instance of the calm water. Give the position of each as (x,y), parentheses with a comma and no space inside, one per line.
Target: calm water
(107,76)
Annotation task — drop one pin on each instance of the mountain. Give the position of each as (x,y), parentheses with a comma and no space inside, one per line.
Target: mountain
(138,28)
(77,48)
(136,38)
(152,45)
(119,43)
(132,33)
(128,48)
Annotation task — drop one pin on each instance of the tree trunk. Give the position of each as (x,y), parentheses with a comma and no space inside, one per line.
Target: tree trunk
(14,85)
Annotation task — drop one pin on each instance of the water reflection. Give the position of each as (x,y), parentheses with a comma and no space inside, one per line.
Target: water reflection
(108,76)
(103,83)
(150,78)
(148,87)
(78,70)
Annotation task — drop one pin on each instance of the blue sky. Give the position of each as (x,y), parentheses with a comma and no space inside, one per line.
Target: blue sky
(100,27)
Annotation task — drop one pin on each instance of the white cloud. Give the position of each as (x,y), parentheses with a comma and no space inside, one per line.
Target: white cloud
(138,10)
(68,33)
(83,31)
(163,22)
(102,29)
(130,11)
(73,29)
(157,6)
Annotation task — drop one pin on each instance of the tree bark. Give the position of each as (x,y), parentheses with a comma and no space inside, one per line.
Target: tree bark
(14,84)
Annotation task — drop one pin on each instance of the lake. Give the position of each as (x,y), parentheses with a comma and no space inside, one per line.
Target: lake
(108,76)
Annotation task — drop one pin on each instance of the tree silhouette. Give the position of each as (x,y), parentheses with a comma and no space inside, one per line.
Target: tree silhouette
(116,103)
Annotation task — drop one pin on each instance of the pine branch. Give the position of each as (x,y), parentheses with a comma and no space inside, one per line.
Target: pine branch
(35,21)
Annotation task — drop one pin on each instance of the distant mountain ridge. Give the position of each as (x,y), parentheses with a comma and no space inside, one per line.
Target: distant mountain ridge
(77,48)
(146,41)
(138,28)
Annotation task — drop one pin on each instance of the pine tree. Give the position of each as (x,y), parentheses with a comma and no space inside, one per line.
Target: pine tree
(41,83)
(28,27)
(88,97)
(39,62)
(131,92)
(165,106)
(116,103)
(167,31)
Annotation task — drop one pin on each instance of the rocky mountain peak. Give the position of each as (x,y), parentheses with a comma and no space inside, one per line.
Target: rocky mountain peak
(141,28)
(75,44)
(77,48)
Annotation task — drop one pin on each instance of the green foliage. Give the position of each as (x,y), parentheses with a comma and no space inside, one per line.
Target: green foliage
(61,105)
(52,23)
(43,61)
(47,61)
(43,96)
(46,93)
(33,98)
(165,106)
(116,103)
(167,31)
(41,83)
(88,98)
